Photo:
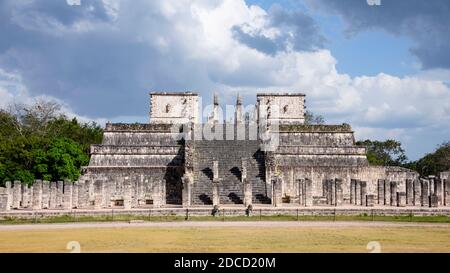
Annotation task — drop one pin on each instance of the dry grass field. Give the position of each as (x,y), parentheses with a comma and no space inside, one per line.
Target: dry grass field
(228,239)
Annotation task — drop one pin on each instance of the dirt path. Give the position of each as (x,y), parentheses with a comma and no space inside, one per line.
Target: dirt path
(265,224)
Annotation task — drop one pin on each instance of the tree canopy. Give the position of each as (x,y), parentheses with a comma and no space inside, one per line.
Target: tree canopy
(384,153)
(38,142)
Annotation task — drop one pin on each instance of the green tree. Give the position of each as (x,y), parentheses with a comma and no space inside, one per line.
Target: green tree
(384,153)
(38,142)
(311,118)
(62,160)
(433,163)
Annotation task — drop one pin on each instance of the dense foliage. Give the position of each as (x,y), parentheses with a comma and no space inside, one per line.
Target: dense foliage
(384,153)
(38,142)
(391,153)
(433,163)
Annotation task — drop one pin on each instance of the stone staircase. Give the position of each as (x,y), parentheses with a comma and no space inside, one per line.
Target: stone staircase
(229,155)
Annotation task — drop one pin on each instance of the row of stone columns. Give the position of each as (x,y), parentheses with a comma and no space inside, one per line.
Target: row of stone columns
(333,192)
(40,195)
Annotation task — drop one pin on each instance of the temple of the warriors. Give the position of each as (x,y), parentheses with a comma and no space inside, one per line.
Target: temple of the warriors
(266,156)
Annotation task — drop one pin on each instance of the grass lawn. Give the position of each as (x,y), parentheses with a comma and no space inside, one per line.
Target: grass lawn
(230,239)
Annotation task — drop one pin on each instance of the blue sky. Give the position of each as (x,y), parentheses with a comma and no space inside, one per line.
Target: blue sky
(383,69)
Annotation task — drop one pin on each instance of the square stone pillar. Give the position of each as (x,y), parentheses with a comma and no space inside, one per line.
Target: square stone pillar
(82,197)
(417,192)
(301,192)
(393,201)
(434,200)
(248,189)
(37,195)
(409,192)
(25,196)
(53,193)
(326,190)
(75,189)
(352,191)
(438,190)
(401,199)
(370,200)
(277,183)
(215,193)
(9,193)
(363,192)
(387,192)
(381,190)
(45,194)
(187,190)
(4,200)
(332,193)
(358,195)
(68,195)
(339,192)
(425,193)
(308,193)
(59,194)
(446,192)
(127,193)
(17,195)
(98,193)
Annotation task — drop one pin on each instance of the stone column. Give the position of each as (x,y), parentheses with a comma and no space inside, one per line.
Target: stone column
(9,193)
(215,193)
(301,191)
(417,192)
(53,193)
(393,194)
(98,193)
(425,193)
(45,194)
(326,190)
(358,195)
(3,200)
(431,186)
(332,193)
(127,193)
(434,203)
(37,195)
(215,183)
(401,199)
(308,193)
(59,194)
(352,191)
(277,191)
(25,196)
(446,192)
(381,189)
(387,192)
(68,195)
(339,192)
(81,194)
(17,195)
(438,190)
(363,192)
(370,200)
(248,189)
(75,194)
(409,192)
(186,180)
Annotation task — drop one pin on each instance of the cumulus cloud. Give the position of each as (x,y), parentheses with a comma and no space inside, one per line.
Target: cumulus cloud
(426,22)
(103,57)
(279,30)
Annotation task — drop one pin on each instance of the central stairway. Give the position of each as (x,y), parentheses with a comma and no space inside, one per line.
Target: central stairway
(229,154)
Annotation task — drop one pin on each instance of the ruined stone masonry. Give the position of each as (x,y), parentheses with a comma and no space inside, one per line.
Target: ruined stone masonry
(172,162)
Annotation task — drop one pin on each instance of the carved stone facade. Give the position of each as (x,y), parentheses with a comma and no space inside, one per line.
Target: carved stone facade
(152,166)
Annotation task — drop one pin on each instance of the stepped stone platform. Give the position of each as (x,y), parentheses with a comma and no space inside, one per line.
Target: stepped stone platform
(265,158)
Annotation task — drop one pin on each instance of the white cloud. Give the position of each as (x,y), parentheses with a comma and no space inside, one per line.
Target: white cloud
(166,45)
